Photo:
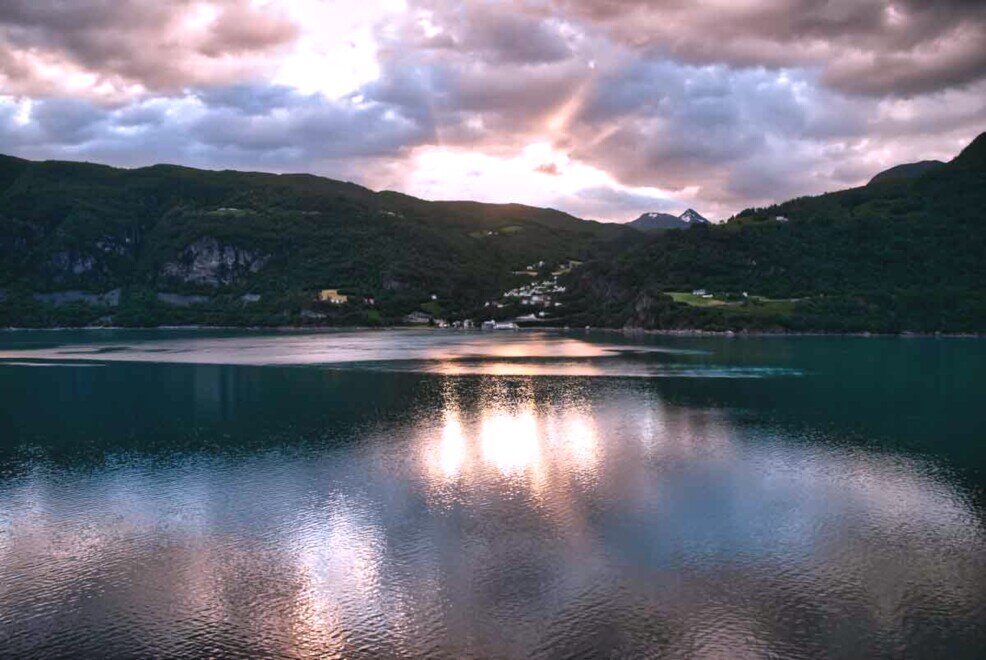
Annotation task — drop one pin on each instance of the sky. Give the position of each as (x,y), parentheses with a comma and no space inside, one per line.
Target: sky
(601,108)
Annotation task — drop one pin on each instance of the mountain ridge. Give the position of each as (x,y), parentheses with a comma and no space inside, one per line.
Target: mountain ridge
(905,171)
(84,243)
(155,235)
(902,256)
(655,220)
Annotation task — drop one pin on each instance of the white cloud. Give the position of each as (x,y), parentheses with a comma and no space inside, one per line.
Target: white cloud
(537,174)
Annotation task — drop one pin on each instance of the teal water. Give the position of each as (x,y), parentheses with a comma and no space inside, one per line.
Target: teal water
(466,494)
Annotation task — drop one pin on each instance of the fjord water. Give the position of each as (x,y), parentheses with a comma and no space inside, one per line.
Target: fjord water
(461,494)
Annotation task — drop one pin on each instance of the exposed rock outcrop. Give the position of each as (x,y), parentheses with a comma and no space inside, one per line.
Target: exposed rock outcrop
(115,245)
(69,261)
(207,261)
(178,300)
(392,283)
(646,311)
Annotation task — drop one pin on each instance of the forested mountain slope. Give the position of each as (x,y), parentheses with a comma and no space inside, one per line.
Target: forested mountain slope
(897,255)
(81,243)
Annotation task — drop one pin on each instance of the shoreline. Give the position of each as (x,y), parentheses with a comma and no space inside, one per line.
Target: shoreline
(907,334)
(681,332)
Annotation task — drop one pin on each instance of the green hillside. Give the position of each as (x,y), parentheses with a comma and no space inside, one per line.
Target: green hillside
(83,243)
(903,254)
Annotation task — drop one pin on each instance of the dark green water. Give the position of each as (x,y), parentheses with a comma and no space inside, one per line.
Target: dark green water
(399,493)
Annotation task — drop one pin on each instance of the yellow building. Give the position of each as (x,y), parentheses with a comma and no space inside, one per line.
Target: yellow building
(332,296)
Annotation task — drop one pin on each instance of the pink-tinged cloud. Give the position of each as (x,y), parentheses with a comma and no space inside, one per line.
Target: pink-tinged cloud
(603,108)
(110,48)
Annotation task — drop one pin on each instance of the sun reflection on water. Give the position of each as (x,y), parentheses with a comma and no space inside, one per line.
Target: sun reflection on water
(504,501)
(508,438)
(510,441)
(581,440)
(452,447)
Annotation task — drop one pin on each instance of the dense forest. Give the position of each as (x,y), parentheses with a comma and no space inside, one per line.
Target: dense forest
(85,244)
(89,244)
(903,253)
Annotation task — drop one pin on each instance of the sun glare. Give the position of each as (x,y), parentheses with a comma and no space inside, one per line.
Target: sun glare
(550,176)
(510,441)
(337,50)
(451,453)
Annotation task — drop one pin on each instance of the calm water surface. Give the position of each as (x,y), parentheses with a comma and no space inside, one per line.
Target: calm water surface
(413,493)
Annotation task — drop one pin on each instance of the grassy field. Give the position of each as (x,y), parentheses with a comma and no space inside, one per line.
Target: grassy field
(697,301)
(756,305)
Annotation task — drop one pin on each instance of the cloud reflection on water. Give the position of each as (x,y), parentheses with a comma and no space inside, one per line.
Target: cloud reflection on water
(572,516)
(452,353)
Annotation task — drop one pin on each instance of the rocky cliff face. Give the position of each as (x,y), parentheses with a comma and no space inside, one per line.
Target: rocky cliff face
(645,312)
(91,264)
(71,262)
(209,262)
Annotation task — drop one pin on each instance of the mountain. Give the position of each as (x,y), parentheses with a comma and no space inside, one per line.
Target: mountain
(81,243)
(654,220)
(905,255)
(905,171)
(693,217)
(973,157)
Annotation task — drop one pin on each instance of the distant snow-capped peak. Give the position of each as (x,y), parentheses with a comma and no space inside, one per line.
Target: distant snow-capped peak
(692,216)
(657,220)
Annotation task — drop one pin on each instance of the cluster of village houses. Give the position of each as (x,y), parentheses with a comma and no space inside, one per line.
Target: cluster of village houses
(536,294)
(540,295)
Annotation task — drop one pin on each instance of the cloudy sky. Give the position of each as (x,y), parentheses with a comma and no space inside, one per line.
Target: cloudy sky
(603,108)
